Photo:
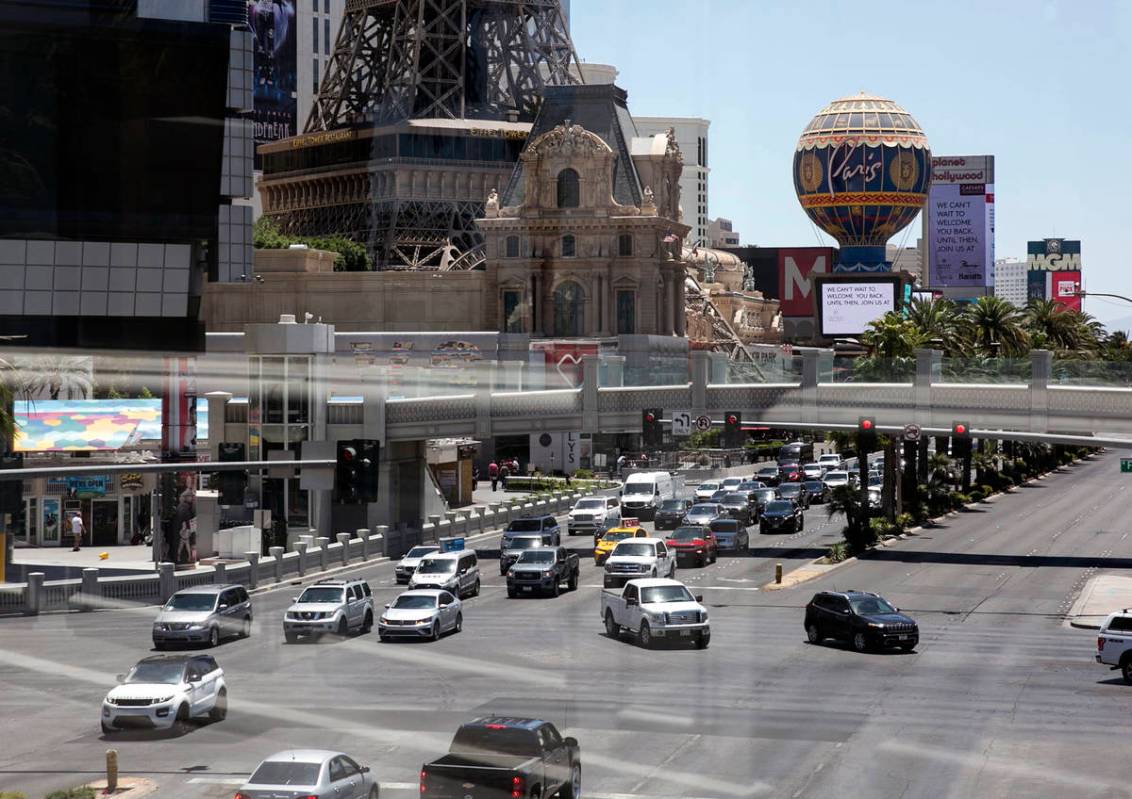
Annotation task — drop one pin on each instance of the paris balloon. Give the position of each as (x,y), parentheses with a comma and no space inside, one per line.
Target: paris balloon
(861,172)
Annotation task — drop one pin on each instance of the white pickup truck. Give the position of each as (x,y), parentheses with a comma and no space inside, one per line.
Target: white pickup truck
(1114,643)
(638,557)
(656,608)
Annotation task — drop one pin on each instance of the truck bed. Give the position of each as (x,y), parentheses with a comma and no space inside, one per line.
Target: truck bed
(488,774)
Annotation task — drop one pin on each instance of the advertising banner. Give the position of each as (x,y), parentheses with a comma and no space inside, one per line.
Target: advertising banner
(796,266)
(1036,285)
(272,23)
(1053,255)
(848,308)
(960,222)
(1063,288)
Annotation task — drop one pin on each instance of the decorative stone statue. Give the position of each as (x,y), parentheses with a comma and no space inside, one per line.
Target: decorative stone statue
(648,204)
(491,207)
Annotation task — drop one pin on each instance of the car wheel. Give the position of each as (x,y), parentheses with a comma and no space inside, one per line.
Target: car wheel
(511,592)
(182,723)
(219,710)
(860,642)
(813,634)
(1126,670)
(502,571)
(435,631)
(367,625)
(373,792)
(555,589)
(612,628)
(214,636)
(476,588)
(343,627)
(714,555)
(160,647)
(703,560)
(702,641)
(573,789)
(292,638)
(572,583)
(107,729)
(459,625)
(246,627)
(645,635)
(382,637)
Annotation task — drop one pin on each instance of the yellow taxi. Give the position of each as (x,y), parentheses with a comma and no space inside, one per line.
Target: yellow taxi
(612,537)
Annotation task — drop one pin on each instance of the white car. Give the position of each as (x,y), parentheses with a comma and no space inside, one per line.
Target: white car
(409,562)
(731,484)
(638,557)
(165,692)
(312,774)
(812,471)
(705,489)
(830,461)
(835,479)
(421,614)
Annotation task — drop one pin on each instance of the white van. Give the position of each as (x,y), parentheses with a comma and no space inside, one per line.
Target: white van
(644,491)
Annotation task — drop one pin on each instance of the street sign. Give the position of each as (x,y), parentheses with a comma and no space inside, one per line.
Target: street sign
(681,423)
(1126,464)
(911,432)
(703,423)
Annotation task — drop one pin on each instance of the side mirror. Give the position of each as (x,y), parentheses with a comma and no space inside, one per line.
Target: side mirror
(387,605)
(194,679)
(120,678)
(294,599)
(570,741)
(222,607)
(365,769)
(631,602)
(698,597)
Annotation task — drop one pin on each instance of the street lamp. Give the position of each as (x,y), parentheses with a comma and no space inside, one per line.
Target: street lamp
(1102,294)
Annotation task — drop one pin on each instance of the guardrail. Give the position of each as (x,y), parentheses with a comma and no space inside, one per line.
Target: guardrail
(93,592)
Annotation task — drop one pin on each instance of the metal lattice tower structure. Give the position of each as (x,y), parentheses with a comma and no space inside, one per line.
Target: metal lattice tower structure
(454,72)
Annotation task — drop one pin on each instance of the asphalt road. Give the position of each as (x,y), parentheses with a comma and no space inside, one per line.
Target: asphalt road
(1000,699)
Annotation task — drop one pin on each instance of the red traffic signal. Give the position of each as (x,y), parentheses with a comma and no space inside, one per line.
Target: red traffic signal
(650,417)
(732,419)
(347,453)
(961,430)
(866,424)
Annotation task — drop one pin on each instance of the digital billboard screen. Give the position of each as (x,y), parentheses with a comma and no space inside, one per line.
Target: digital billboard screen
(960,222)
(275,116)
(846,308)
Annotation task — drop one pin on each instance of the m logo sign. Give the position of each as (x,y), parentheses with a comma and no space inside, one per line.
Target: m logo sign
(796,267)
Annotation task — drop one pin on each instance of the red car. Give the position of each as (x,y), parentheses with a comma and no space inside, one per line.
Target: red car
(694,543)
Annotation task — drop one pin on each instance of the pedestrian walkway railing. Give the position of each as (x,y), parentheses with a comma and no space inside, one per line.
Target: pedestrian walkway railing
(94,592)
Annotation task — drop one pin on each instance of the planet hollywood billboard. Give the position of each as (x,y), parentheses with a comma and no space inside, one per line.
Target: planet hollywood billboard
(960,222)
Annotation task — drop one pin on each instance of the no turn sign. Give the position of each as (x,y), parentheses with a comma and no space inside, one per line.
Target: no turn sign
(911,432)
(703,423)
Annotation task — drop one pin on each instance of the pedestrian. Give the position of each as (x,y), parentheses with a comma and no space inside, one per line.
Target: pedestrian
(475,478)
(726,461)
(493,474)
(621,465)
(504,473)
(77,531)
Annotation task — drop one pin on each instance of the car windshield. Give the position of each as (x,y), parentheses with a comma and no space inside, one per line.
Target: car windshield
(420,552)
(640,488)
(735,499)
(719,495)
(725,526)
(749,485)
(768,471)
(813,485)
(495,740)
(665,593)
(618,536)
(321,594)
(709,487)
(168,672)
(525,526)
(524,543)
(871,605)
(832,476)
(537,556)
(191,602)
(673,504)
(589,504)
(286,772)
(687,533)
(789,489)
(700,510)
(634,549)
(414,602)
(779,506)
(437,566)
(765,494)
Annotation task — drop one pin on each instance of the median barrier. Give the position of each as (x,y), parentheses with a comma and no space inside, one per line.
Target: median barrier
(323,556)
(277,562)
(253,568)
(301,549)
(92,591)
(344,544)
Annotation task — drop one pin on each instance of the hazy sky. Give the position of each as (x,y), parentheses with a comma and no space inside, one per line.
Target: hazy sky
(1043,86)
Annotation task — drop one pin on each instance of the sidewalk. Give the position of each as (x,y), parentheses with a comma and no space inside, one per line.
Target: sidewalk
(61,563)
(1102,595)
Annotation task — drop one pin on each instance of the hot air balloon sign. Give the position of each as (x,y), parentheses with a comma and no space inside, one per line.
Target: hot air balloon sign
(862,169)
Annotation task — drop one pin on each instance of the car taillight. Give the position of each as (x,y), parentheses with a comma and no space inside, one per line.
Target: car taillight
(423,788)
(240,795)
(516,787)
(699,542)
(1100,644)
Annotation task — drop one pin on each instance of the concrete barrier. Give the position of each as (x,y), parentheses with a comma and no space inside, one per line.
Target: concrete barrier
(34,593)
(344,540)
(92,591)
(277,554)
(219,573)
(167,581)
(323,556)
(253,568)
(301,548)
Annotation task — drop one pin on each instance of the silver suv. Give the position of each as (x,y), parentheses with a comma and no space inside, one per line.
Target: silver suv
(204,614)
(330,606)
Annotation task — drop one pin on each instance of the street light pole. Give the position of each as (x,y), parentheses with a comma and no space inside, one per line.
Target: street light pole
(1102,294)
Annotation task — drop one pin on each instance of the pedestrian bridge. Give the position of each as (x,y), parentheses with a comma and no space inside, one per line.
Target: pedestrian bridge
(1039,404)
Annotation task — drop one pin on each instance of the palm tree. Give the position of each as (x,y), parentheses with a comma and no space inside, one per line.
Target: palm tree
(1052,325)
(941,320)
(892,341)
(845,500)
(997,327)
(56,376)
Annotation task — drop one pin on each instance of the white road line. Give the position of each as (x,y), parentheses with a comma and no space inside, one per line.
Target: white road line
(217,780)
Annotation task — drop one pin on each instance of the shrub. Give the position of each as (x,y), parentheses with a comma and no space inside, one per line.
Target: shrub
(12,795)
(583,474)
(838,552)
(882,527)
(72,793)
(905,520)
(977,495)
(958,499)
(987,489)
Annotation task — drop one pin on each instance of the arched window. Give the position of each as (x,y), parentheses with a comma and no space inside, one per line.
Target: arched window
(569,304)
(568,194)
(569,246)
(512,246)
(625,244)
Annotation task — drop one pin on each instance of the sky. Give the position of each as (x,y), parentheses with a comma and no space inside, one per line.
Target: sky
(1042,86)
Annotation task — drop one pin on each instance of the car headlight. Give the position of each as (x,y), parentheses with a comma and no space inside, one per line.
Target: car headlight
(873,626)
(196,626)
(383,620)
(423,622)
(162,700)
(608,566)
(547,573)
(656,617)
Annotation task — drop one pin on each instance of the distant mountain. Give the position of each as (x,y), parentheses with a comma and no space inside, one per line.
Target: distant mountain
(1122,323)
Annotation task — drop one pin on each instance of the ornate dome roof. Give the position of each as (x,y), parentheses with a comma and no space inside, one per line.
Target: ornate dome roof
(864,118)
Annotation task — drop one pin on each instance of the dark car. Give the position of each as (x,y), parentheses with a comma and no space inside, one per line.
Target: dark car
(762,497)
(671,513)
(818,490)
(781,516)
(694,543)
(768,475)
(730,535)
(796,492)
(864,620)
(702,514)
(738,506)
(718,496)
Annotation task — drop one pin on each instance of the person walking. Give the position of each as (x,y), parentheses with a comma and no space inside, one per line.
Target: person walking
(504,472)
(621,465)
(77,531)
(493,474)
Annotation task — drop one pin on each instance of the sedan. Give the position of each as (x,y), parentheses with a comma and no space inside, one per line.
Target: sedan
(422,613)
(782,516)
(311,774)
(762,497)
(718,496)
(789,472)
(819,491)
(812,471)
(796,492)
(835,479)
(731,483)
(671,513)
(768,475)
(705,489)
(703,514)
(694,543)
(730,536)
(738,506)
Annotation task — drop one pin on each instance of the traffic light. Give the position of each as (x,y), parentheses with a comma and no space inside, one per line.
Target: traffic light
(232,483)
(11,491)
(960,439)
(355,471)
(733,429)
(866,435)
(651,433)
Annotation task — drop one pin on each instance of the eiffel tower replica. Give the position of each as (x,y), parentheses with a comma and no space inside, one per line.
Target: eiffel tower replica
(422,111)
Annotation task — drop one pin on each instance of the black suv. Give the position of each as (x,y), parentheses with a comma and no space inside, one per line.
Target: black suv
(738,506)
(546,524)
(864,620)
(671,513)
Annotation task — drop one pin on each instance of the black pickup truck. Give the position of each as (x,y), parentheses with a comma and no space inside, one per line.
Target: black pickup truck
(505,758)
(543,570)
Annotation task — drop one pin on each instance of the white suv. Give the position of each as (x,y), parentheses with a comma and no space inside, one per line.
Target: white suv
(164,692)
(590,513)
(330,606)
(458,573)
(1114,643)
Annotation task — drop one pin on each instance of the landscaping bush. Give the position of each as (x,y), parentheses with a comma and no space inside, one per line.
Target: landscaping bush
(583,474)
(881,527)
(72,793)
(987,489)
(977,496)
(12,795)
(838,552)
(958,499)
(905,520)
